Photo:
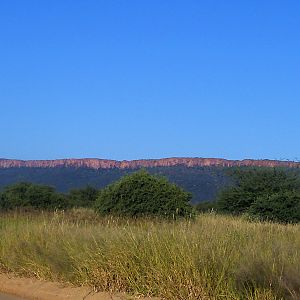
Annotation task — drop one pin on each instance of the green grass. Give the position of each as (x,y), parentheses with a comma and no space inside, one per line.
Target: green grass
(213,257)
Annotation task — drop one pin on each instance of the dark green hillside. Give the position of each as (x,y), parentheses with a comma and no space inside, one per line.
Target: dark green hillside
(202,182)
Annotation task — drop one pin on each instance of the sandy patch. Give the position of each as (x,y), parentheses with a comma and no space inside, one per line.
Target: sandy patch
(33,289)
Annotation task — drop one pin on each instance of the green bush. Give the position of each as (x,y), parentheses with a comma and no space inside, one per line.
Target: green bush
(235,200)
(84,197)
(206,206)
(280,207)
(271,194)
(31,195)
(142,194)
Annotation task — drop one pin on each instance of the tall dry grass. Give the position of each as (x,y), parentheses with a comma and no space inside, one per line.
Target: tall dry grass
(213,257)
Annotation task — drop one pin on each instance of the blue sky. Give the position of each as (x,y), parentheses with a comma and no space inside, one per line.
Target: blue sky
(149,79)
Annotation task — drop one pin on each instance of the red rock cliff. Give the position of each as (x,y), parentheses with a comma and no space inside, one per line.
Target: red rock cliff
(95,163)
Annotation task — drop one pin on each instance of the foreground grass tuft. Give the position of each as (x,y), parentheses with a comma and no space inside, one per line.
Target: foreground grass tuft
(213,257)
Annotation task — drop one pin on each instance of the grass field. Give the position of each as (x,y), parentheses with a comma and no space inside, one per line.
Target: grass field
(213,257)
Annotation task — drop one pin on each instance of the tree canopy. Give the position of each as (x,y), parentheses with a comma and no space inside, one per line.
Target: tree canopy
(84,197)
(271,194)
(142,194)
(31,195)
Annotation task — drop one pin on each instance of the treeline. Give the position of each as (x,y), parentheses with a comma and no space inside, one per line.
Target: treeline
(135,195)
(29,195)
(202,182)
(263,194)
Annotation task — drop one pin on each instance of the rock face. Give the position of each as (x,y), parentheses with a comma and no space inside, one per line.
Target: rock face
(95,163)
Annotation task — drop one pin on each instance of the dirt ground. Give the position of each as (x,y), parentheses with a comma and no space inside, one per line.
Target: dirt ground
(33,289)
(8,297)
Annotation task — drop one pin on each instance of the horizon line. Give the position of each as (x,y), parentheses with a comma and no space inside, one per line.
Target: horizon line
(162,158)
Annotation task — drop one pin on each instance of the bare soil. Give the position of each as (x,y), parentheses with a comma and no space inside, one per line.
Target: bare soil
(34,289)
(8,297)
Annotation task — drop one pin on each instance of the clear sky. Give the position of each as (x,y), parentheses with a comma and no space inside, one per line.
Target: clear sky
(149,79)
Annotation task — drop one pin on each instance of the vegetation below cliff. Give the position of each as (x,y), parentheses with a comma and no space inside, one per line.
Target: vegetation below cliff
(203,182)
(271,194)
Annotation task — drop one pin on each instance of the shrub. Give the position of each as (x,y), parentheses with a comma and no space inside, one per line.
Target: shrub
(254,183)
(32,195)
(281,207)
(14,196)
(271,194)
(235,200)
(206,206)
(142,194)
(84,197)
